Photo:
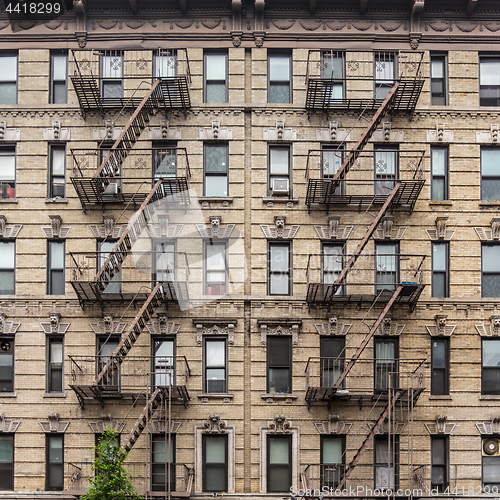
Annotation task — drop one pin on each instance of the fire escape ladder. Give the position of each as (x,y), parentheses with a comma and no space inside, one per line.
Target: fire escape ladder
(363,140)
(110,167)
(421,481)
(134,330)
(146,414)
(369,439)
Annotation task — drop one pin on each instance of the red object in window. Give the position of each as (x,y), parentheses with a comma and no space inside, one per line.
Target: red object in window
(11,192)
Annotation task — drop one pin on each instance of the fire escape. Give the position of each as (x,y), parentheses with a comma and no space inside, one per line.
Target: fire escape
(120,275)
(363,181)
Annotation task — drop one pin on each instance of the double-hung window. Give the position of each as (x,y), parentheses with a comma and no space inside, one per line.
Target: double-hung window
(57,173)
(164,162)
(332,460)
(490,373)
(216,169)
(7,267)
(439,173)
(279,463)
(58,77)
(7,172)
(216,76)
(385,73)
(279,171)
(8,78)
(490,266)
(55,268)
(163,362)
(215,268)
(386,364)
(54,461)
(440,366)
(104,248)
(440,271)
(215,355)
(386,462)
(279,268)
(331,161)
(439,463)
(491,465)
(279,365)
(333,262)
(279,70)
(165,64)
(105,348)
(6,462)
(332,69)
(489,80)
(331,352)
(6,366)
(387,266)
(386,169)
(112,74)
(490,174)
(114,185)
(439,63)
(164,262)
(215,462)
(163,462)
(55,370)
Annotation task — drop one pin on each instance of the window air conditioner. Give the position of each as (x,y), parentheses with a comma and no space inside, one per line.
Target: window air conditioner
(112,188)
(280,186)
(491,447)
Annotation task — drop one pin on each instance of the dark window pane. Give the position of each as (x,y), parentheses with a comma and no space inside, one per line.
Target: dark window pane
(438,354)
(8,93)
(59,90)
(439,285)
(491,469)
(112,89)
(438,382)
(490,189)
(6,282)
(279,380)
(216,159)
(279,93)
(279,351)
(279,464)
(491,285)
(215,477)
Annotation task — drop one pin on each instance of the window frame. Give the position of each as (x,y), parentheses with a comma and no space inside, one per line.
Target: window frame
(338,81)
(52,366)
(8,383)
(170,54)
(51,282)
(485,178)
(445,466)
(158,149)
(204,462)
(435,391)
(207,82)
(439,100)
(169,459)
(339,472)
(206,147)
(488,368)
(496,460)
(380,286)
(9,269)
(328,367)
(52,177)
(382,86)
(206,270)
(334,256)
(271,339)
(381,380)
(8,466)
(445,273)
(101,340)
(384,438)
(271,175)
(488,273)
(337,150)
(168,371)
(206,340)
(440,177)
(115,286)
(280,53)
(8,151)
(380,180)
(49,464)
(158,243)
(53,81)
(269,465)
(16,80)
(111,79)
(271,273)
(488,58)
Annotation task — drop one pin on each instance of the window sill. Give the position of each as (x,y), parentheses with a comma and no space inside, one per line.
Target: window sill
(56,200)
(216,395)
(447,396)
(206,200)
(54,395)
(447,203)
(270,398)
(8,200)
(489,204)
(489,397)
(8,395)
(279,199)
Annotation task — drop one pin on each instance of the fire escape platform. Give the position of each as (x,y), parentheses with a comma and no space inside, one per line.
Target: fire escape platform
(330,394)
(178,392)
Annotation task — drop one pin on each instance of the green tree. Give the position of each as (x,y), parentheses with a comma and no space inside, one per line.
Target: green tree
(110,480)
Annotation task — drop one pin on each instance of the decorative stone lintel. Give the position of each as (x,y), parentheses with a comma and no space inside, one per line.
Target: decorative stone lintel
(387,134)
(215,132)
(279,425)
(333,426)
(333,231)
(57,133)
(333,327)
(488,137)
(54,326)
(440,327)
(160,426)
(279,133)
(333,133)
(106,421)
(215,326)
(289,326)
(279,398)
(215,230)
(214,425)
(440,232)
(491,328)
(164,132)
(279,231)
(8,425)
(440,426)
(107,326)
(387,231)
(397,427)
(440,135)
(54,425)
(56,230)
(8,327)
(9,134)
(489,427)
(108,133)
(163,326)
(388,327)
(8,232)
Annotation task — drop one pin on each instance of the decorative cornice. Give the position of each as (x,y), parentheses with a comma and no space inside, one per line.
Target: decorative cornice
(53,424)
(333,426)
(8,425)
(279,231)
(215,326)
(288,326)
(54,327)
(333,327)
(106,422)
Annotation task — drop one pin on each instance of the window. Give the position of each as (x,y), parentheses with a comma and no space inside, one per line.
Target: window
(215,268)
(54,459)
(58,77)
(163,362)
(439,63)
(279,365)
(165,64)
(112,74)
(104,248)
(333,262)
(332,158)
(164,162)
(279,282)
(386,364)
(7,173)
(279,463)
(216,70)
(490,373)
(489,80)
(279,70)
(55,282)
(110,189)
(490,280)
(385,73)
(439,463)
(163,462)
(386,169)
(439,173)
(332,460)
(331,352)
(216,169)
(387,267)
(440,374)
(215,462)
(332,68)
(386,462)
(164,263)
(440,272)
(105,348)
(8,79)
(491,467)
(279,171)
(215,355)
(55,371)
(6,462)
(7,267)
(490,174)
(57,180)
(6,365)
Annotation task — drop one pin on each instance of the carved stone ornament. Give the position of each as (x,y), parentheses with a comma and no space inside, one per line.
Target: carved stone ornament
(279,231)
(81,36)
(160,426)
(440,327)
(56,230)
(107,133)
(54,326)
(163,229)
(440,426)
(9,134)
(494,132)
(109,229)
(8,232)
(8,327)
(333,426)
(279,133)
(490,427)
(489,136)
(214,425)
(440,135)
(53,424)
(215,132)
(491,328)
(164,132)
(397,427)
(386,129)
(440,233)
(259,35)
(389,327)
(333,231)
(215,230)
(492,234)
(287,326)
(106,422)
(236,37)
(387,231)
(107,326)
(333,133)
(215,326)
(333,327)
(163,326)
(57,133)
(8,425)
(279,425)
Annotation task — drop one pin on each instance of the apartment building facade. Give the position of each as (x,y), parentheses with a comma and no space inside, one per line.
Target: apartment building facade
(256,238)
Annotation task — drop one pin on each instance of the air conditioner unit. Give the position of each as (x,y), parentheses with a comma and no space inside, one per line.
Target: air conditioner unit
(280,186)
(491,447)
(112,188)
(7,346)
